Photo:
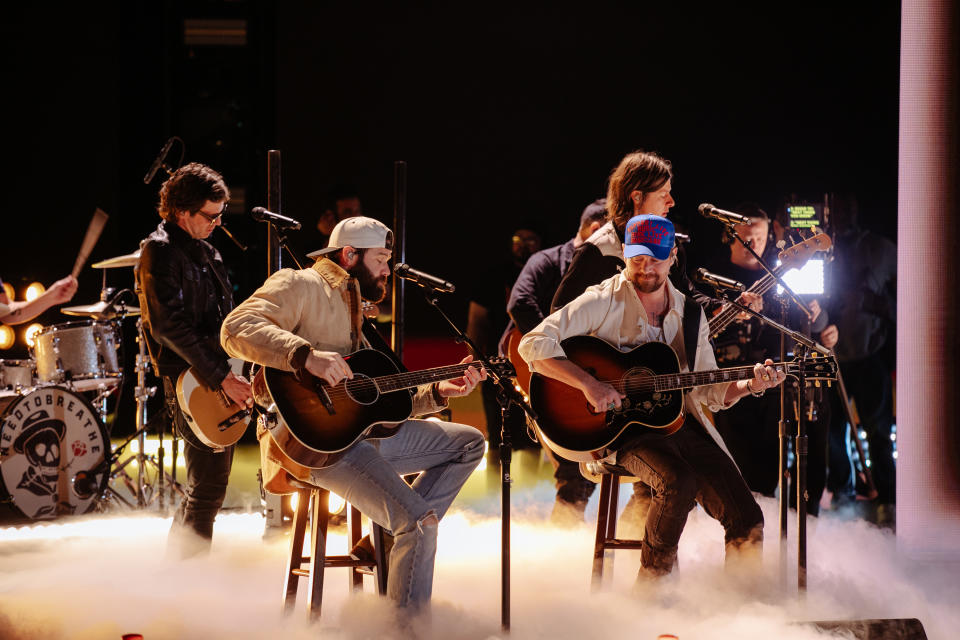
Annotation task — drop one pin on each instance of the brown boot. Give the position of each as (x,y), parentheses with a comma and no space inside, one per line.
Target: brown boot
(363,550)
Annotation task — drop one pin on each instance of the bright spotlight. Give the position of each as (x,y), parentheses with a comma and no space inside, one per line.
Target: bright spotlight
(11,293)
(7,337)
(30,334)
(33,291)
(336,504)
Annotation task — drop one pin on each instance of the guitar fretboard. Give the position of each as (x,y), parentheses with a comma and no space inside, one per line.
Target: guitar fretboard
(670,381)
(412,379)
(728,313)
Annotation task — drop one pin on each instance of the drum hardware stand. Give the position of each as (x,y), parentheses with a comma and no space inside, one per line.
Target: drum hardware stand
(509,399)
(139,488)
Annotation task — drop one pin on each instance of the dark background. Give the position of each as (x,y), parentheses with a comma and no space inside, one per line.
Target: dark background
(504,116)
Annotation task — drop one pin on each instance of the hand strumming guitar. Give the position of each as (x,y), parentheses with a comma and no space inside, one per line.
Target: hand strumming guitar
(237,389)
(328,365)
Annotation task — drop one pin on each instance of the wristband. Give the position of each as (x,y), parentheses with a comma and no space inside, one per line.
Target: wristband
(755,394)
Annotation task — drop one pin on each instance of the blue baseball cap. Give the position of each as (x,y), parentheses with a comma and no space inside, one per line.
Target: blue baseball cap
(649,235)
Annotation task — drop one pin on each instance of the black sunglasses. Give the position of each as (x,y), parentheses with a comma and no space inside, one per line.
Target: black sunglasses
(214,218)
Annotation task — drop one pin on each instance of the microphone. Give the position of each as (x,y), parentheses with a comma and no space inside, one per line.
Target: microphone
(158,162)
(423,279)
(718,281)
(280,222)
(681,238)
(726,217)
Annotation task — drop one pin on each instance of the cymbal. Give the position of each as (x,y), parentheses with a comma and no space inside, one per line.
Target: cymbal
(128,260)
(99,311)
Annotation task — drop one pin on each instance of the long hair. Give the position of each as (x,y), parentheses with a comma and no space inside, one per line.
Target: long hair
(642,171)
(189,188)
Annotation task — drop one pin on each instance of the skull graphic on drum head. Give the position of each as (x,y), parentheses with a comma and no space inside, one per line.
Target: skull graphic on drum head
(40,442)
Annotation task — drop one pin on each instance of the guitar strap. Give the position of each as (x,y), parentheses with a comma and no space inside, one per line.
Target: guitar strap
(691,330)
(369,330)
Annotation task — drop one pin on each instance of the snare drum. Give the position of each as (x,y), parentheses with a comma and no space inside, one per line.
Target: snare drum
(17,375)
(81,355)
(52,449)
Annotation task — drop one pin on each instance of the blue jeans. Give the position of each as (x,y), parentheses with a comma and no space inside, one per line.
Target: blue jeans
(369,477)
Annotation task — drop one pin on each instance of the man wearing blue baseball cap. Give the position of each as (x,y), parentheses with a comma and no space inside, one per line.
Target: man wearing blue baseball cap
(637,306)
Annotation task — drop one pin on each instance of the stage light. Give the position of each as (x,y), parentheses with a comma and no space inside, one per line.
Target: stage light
(31,333)
(34,289)
(11,293)
(335,506)
(7,337)
(807,280)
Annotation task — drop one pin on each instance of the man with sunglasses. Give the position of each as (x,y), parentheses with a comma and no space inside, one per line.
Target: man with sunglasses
(185,294)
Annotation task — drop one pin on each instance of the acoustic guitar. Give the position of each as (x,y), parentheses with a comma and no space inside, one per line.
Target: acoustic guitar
(649,375)
(317,419)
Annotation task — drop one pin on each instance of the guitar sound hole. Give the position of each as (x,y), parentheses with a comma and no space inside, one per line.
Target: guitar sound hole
(362,389)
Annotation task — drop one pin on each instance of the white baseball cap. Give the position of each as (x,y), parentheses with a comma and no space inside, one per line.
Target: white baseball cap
(358,232)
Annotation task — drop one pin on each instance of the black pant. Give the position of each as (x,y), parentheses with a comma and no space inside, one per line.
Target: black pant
(207,474)
(681,469)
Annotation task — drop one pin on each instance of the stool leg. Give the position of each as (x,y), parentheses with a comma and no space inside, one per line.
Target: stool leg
(355,533)
(380,555)
(298,527)
(612,506)
(603,514)
(318,541)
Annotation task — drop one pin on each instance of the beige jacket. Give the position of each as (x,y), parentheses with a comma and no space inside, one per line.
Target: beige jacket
(317,306)
(613,312)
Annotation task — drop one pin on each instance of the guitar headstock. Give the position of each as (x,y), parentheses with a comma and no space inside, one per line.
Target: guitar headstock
(816,367)
(799,253)
(503,367)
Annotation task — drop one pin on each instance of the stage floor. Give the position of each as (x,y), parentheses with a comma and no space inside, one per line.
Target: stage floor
(103,575)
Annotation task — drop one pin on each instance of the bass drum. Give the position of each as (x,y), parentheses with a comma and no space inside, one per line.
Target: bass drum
(52,452)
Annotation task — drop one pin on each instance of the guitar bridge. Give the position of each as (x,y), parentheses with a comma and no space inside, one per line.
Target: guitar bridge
(324,398)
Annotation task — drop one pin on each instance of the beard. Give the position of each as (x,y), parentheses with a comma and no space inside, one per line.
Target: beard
(647,283)
(372,288)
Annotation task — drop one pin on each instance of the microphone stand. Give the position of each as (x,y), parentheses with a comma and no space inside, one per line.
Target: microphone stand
(508,398)
(803,346)
(800,448)
(282,244)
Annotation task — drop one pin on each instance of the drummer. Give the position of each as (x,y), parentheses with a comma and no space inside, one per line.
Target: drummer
(21,311)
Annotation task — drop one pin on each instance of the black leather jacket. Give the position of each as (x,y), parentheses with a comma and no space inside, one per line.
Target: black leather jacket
(184,296)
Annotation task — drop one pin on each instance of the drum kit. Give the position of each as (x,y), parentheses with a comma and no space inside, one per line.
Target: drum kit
(56,457)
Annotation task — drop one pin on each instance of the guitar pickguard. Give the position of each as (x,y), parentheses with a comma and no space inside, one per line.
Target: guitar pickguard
(648,403)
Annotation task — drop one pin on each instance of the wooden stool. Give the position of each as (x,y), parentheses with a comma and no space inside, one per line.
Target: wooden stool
(610,479)
(312,566)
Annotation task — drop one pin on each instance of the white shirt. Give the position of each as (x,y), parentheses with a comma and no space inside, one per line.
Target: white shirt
(612,311)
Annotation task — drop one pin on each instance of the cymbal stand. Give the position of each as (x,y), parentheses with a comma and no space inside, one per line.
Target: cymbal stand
(145,493)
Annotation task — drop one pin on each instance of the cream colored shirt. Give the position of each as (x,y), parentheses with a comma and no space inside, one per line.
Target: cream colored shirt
(612,311)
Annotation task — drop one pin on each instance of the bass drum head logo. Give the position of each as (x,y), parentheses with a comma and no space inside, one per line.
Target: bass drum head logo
(46,437)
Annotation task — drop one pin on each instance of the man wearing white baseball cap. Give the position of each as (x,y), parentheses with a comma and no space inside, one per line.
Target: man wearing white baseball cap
(309,319)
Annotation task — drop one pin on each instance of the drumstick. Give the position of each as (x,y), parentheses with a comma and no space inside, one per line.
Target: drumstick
(93,234)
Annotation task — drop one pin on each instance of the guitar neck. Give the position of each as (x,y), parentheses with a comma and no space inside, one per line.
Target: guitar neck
(728,313)
(410,379)
(671,381)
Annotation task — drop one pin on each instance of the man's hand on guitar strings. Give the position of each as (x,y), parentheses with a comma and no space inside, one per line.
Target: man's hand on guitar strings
(328,365)
(463,385)
(602,396)
(238,390)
